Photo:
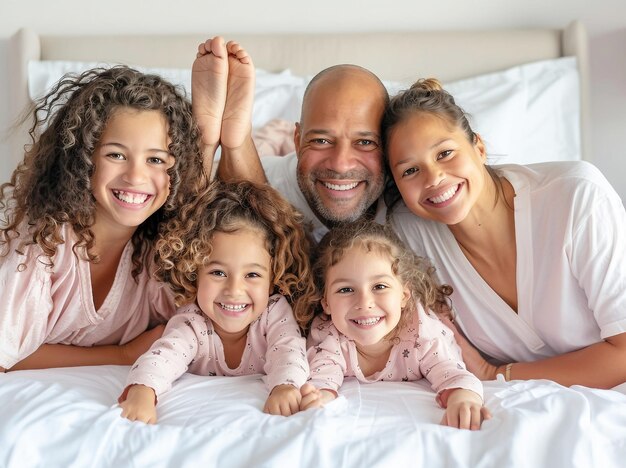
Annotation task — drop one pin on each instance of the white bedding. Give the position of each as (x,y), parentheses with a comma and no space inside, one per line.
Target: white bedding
(68,417)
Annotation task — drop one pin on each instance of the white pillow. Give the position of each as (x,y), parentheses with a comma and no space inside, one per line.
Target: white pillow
(525,114)
(277,96)
(495,105)
(551,127)
(43,74)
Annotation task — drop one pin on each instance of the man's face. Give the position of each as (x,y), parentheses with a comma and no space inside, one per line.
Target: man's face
(340,163)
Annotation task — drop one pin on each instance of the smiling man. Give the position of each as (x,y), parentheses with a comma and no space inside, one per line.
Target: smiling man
(336,174)
(338,143)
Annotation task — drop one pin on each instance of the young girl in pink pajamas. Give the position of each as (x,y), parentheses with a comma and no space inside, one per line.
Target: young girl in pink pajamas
(237,261)
(114,154)
(377,323)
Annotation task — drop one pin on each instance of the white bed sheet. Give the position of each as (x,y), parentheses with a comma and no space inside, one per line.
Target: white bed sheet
(68,417)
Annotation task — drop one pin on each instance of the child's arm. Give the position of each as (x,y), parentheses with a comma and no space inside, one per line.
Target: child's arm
(140,404)
(464,409)
(328,365)
(171,355)
(57,355)
(458,390)
(286,367)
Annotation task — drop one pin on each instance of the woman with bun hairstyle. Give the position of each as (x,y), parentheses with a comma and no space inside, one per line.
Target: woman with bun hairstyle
(534,253)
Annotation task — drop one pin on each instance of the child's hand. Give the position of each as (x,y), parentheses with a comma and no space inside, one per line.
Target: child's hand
(139,404)
(464,410)
(136,347)
(284,400)
(315,398)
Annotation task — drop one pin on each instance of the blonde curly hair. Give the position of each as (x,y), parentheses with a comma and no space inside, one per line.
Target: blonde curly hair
(52,185)
(416,273)
(185,242)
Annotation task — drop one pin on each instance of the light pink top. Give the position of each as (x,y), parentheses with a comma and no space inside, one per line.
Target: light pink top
(55,305)
(425,348)
(274,347)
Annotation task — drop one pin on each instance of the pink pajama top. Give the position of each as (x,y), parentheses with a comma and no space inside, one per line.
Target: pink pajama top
(274,347)
(425,348)
(43,304)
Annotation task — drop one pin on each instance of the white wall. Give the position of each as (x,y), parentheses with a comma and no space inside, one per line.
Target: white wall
(605,21)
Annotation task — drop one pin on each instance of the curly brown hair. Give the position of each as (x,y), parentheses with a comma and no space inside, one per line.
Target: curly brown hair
(52,185)
(184,245)
(416,273)
(427,96)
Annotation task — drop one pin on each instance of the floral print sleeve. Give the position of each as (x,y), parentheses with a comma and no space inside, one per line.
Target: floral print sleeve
(170,356)
(440,361)
(285,356)
(326,359)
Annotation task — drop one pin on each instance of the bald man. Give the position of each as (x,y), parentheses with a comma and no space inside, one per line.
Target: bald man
(336,174)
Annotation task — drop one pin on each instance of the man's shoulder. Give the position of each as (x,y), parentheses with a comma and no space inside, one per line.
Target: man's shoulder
(280,172)
(280,169)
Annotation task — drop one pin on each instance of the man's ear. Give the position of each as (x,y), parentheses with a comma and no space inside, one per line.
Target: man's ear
(297,133)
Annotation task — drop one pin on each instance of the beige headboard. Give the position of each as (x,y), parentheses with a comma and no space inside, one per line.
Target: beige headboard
(448,55)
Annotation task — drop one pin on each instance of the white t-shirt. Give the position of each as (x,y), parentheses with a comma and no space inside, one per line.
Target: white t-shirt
(281,173)
(570,228)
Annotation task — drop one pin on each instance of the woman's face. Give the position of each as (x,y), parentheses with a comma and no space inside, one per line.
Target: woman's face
(439,172)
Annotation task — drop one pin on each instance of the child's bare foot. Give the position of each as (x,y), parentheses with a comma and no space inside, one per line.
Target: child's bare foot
(209,78)
(237,120)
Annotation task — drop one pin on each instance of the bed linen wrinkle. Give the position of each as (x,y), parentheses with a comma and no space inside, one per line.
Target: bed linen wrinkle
(217,421)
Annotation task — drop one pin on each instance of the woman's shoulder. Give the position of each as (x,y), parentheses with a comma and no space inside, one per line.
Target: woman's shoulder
(558,175)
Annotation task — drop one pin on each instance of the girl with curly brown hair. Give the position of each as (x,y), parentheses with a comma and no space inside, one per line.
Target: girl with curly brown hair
(376,323)
(114,154)
(237,261)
